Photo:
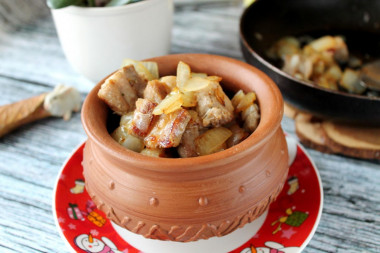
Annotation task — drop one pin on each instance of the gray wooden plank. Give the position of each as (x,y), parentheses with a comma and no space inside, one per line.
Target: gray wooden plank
(32,53)
(28,228)
(350,220)
(31,62)
(212,33)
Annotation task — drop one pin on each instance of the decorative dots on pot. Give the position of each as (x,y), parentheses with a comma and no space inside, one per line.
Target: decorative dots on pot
(139,225)
(100,205)
(153,201)
(109,214)
(111,185)
(203,201)
(125,220)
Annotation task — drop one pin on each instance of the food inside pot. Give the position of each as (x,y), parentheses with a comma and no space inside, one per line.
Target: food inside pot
(186,115)
(324,61)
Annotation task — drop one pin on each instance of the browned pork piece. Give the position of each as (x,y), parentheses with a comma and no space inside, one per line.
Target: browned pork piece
(238,135)
(168,130)
(214,107)
(136,81)
(156,91)
(187,146)
(121,90)
(142,117)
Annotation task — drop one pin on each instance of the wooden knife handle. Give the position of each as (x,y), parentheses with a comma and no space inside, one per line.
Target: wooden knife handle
(22,112)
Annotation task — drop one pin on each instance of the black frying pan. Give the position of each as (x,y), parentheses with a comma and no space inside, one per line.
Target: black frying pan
(266,21)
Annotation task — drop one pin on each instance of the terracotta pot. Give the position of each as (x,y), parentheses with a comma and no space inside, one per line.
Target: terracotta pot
(186,199)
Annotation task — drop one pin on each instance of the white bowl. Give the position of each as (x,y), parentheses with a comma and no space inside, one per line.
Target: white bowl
(212,245)
(95,40)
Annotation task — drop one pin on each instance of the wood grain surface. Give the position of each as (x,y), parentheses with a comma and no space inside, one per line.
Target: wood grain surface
(32,62)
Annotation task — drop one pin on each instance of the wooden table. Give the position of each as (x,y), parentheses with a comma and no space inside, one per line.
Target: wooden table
(32,62)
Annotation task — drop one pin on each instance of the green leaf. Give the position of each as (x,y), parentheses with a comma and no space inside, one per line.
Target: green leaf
(57,4)
(91,3)
(121,2)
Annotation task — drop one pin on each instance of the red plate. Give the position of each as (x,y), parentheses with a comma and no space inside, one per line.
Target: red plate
(291,221)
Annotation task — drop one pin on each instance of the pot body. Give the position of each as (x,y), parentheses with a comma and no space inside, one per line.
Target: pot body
(187,199)
(95,40)
(170,206)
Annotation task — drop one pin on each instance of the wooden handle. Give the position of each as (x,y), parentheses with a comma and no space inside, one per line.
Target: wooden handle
(22,112)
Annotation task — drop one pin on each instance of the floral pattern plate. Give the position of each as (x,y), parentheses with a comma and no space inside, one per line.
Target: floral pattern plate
(291,221)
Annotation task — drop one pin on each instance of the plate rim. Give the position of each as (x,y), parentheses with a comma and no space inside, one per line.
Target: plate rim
(60,232)
(319,216)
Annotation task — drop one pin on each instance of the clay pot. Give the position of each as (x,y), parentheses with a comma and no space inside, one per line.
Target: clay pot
(186,199)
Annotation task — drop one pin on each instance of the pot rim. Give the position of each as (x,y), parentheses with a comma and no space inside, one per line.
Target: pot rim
(271,108)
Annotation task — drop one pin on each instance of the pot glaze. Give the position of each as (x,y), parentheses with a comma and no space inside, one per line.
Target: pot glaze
(187,199)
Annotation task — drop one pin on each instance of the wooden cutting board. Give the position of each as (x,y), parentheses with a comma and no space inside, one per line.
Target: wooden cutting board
(331,137)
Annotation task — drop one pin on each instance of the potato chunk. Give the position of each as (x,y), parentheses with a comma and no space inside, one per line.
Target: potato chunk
(212,140)
(131,142)
(154,152)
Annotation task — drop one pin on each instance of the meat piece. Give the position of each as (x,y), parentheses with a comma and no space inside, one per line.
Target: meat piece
(142,117)
(156,91)
(121,90)
(118,93)
(187,147)
(251,117)
(137,82)
(238,135)
(214,107)
(168,130)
